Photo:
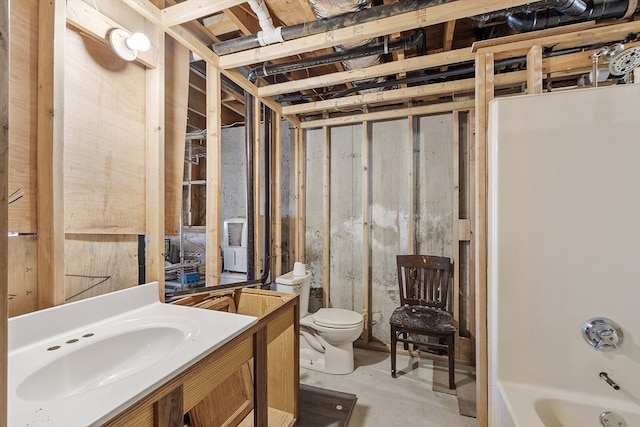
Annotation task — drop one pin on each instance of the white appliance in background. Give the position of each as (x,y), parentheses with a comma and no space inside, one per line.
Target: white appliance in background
(234,245)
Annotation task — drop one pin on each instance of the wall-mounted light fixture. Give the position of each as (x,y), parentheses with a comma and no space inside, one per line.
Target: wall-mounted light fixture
(126,45)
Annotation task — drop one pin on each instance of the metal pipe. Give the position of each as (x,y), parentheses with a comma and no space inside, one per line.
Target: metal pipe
(328,24)
(550,18)
(268,129)
(377,49)
(249,136)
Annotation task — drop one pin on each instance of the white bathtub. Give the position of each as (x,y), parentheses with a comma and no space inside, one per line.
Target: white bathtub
(530,405)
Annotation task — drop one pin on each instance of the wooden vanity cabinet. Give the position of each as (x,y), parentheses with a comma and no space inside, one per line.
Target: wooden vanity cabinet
(250,381)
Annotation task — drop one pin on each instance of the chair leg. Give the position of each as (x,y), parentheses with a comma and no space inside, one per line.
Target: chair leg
(451,341)
(406,345)
(394,342)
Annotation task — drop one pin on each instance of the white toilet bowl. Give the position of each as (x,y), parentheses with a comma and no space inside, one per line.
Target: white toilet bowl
(327,336)
(326,340)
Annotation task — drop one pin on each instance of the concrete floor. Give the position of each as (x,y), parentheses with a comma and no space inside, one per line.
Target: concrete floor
(386,401)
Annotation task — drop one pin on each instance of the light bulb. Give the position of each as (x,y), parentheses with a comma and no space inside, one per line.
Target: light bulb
(139,42)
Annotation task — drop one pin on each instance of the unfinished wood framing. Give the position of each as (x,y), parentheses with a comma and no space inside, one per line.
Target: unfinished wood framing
(366,234)
(155,136)
(326,217)
(411,184)
(50,165)
(534,70)
(276,196)
(427,16)
(300,152)
(484,94)
(214,176)
(4,202)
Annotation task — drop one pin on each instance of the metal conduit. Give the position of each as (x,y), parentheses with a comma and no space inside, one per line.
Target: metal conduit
(249,135)
(377,49)
(328,24)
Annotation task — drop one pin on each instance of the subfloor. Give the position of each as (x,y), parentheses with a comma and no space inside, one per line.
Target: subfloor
(386,401)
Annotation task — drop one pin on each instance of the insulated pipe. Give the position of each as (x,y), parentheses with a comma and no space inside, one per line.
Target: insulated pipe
(328,24)
(568,7)
(550,18)
(377,49)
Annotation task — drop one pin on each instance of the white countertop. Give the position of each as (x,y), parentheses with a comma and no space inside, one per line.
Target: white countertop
(112,350)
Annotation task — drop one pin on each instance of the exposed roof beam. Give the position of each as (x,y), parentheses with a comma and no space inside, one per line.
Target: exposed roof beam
(405,65)
(220,24)
(390,114)
(189,10)
(405,21)
(387,96)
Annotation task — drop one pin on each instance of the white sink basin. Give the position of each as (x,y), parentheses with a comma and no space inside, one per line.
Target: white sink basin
(100,362)
(128,343)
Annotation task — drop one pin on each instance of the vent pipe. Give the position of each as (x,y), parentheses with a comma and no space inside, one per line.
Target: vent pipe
(328,24)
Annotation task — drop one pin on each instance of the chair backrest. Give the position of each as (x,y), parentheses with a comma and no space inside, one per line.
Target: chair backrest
(424,280)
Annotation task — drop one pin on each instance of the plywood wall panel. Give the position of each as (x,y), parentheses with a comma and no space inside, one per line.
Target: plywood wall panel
(98,264)
(23,275)
(23,83)
(104,140)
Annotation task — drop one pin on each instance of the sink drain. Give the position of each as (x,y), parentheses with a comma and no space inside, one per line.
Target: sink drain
(611,419)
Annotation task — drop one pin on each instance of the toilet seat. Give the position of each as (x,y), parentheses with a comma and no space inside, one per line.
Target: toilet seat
(337,318)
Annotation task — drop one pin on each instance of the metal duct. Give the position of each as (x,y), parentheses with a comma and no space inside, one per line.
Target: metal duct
(551,18)
(377,49)
(568,7)
(328,24)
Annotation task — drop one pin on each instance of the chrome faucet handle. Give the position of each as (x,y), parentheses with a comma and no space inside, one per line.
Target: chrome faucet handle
(607,336)
(602,334)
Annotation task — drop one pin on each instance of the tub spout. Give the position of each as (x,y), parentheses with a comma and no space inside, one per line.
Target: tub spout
(609,381)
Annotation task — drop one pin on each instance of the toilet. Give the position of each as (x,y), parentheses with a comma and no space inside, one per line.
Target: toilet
(326,336)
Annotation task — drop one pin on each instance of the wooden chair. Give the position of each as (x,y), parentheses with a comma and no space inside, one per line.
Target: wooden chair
(424,289)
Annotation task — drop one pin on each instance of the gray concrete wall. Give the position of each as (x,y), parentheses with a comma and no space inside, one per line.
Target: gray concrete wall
(388,209)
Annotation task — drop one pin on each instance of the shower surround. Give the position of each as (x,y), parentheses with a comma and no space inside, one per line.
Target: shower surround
(564,247)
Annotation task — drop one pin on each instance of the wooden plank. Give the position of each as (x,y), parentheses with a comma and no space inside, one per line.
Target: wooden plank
(176,102)
(96,25)
(23,115)
(584,37)
(390,114)
(484,94)
(23,275)
(220,24)
(513,38)
(404,94)
(99,264)
(411,184)
(534,70)
(214,176)
(168,412)
(154,155)
(4,212)
(326,217)
(276,192)
(366,232)
(301,168)
(404,66)
(106,195)
(194,9)
(51,142)
(260,402)
(427,16)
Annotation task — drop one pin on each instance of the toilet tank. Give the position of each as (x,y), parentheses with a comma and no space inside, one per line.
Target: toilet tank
(296,284)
